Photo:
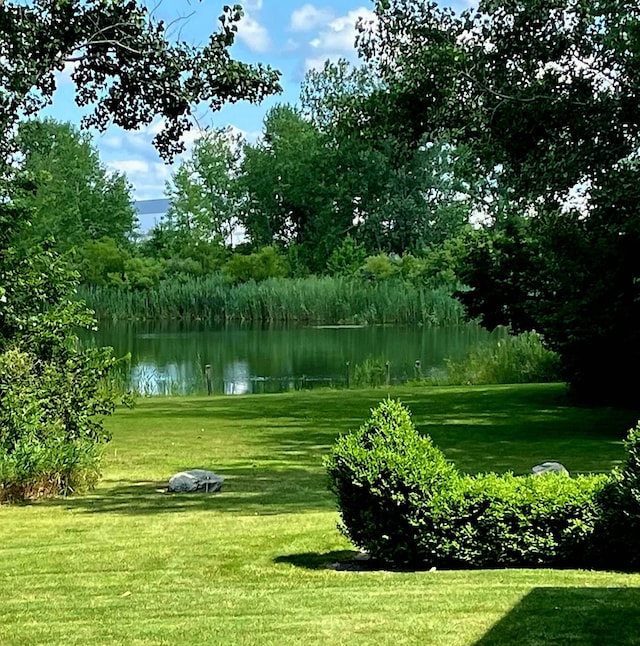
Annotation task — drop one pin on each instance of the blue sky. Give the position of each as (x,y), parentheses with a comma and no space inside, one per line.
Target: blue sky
(292,36)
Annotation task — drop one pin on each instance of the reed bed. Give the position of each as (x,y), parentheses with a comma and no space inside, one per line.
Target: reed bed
(513,360)
(307,300)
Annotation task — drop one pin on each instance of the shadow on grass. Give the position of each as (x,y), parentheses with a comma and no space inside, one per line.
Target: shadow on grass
(245,492)
(319,560)
(286,436)
(341,560)
(582,616)
(554,615)
(497,428)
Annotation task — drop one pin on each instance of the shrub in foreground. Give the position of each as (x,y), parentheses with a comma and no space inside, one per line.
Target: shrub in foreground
(389,481)
(402,502)
(523,521)
(617,536)
(50,430)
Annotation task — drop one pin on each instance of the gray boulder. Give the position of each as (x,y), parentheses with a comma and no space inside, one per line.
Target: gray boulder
(549,467)
(195,481)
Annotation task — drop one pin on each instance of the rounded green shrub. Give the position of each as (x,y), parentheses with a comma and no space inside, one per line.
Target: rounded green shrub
(519,521)
(617,536)
(386,478)
(401,501)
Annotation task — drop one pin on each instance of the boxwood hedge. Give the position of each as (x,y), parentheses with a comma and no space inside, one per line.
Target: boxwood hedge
(402,502)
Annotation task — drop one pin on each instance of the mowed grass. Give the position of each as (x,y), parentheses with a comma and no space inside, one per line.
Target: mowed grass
(130,564)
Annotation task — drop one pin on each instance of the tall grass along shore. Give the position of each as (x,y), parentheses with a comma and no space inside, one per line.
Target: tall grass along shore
(317,300)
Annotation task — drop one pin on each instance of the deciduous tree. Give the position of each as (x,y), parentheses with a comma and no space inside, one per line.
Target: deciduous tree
(204,193)
(76,200)
(545,94)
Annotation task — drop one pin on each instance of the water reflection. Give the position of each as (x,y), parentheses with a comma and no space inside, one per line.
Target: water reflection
(237,378)
(152,379)
(170,358)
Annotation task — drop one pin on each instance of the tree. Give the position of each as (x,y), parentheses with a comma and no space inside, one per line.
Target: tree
(333,98)
(405,197)
(296,194)
(51,397)
(544,93)
(310,187)
(126,70)
(417,203)
(76,199)
(544,88)
(204,193)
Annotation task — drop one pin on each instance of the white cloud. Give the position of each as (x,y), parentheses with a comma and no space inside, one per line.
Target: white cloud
(147,178)
(290,45)
(133,154)
(309,17)
(129,166)
(252,5)
(337,39)
(150,185)
(254,35)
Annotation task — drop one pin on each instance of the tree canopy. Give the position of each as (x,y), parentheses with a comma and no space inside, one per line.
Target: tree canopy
(544,93)
(125,67)
(75,199)
(547,89)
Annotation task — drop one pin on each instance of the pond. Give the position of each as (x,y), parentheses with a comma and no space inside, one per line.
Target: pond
(192,358)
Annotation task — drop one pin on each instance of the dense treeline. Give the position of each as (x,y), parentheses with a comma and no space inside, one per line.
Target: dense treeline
(191,265)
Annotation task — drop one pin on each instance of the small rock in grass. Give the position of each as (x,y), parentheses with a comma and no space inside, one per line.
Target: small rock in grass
(195,481)
(549,467)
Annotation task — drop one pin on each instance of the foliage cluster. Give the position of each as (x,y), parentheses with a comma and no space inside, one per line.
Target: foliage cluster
(103,263)
(309,187)
(266,263)
(75,198)
(49,442)
(522,358)
(404,503)
(543,95)
(51,398)
(617,534)
(370,373)
(128,69)
(306,192)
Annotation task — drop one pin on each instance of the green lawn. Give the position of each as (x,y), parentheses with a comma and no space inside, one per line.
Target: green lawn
(130,564)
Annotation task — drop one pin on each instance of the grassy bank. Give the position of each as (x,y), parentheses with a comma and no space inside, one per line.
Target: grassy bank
(325,299)
(132,565)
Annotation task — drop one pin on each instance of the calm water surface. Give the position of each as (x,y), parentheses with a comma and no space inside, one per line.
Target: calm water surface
(171,358)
